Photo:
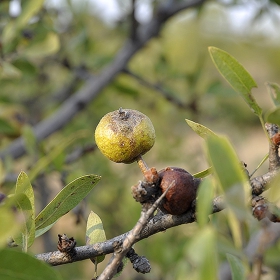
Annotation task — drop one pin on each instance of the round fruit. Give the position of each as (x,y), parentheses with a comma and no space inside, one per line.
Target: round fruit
(124,135)
(180,196)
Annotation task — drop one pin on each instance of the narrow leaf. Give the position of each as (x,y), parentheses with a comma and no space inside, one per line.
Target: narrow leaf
(204,203)
(23,186)
(203,173)
(273,116)
(21,266)
(9,225)
(66,199)
(236,75)
(48,46)
(95,232)
(236,267)
(230,174)
(199,129)
(274,90)
(26,236)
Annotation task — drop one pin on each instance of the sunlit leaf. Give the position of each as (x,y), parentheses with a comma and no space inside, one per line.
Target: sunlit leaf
(236,75)
(199,129)
(48,46)
(274,90)
(203,173)
(9,71)
(95,232)
(65,200)
(236,267)
(21,266)
(204,205)
(23,186)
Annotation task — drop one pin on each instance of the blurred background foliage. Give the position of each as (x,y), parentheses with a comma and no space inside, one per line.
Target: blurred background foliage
(45,59)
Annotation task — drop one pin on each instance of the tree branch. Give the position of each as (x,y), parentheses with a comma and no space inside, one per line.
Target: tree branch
(94,85)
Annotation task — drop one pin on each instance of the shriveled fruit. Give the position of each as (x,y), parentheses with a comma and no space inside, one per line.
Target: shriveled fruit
(124,135)
(180,196)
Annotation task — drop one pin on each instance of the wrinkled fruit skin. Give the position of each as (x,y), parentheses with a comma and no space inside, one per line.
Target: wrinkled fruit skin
(124,134)
(178,198)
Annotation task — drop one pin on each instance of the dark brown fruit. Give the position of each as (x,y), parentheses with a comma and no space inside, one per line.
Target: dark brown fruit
(179,197)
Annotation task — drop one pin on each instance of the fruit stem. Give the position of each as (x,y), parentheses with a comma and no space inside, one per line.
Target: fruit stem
(142,164)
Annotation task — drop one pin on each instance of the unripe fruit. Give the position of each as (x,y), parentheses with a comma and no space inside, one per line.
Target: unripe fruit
(124,135)
(180,196)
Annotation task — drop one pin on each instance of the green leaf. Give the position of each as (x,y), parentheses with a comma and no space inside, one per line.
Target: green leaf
(66,199)
(204,203)
(236,75)
(29,9)
(236,267)
(229,173)
(9,225)
(199,129)
(226,165)
(274,90)
(9,71)
(25,236)
(95,232)
(203,252)
(23,186)
(203,173)
(21,266)
(273,116)
(50,45)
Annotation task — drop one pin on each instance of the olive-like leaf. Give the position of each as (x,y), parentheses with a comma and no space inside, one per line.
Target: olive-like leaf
(204,203)
(203,173)
(95,232)
(199,129)
(273,115)
(236,267)
(9,225)
(236,75)
(23,186)
(21,266)
(226,165)
(65,200)
(274,90)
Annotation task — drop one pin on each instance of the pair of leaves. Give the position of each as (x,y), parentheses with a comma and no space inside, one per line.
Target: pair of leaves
(23,199)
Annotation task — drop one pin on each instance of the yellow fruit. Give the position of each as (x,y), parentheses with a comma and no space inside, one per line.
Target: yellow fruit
(124,135)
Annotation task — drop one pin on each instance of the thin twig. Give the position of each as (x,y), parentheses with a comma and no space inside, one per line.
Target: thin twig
(163,92)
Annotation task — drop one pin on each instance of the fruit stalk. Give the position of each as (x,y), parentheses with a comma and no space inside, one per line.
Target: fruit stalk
(142,164)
